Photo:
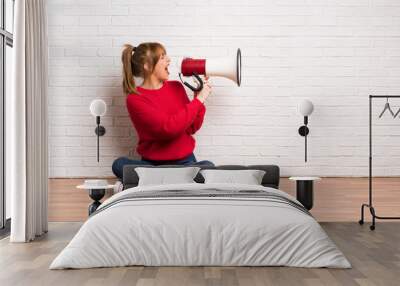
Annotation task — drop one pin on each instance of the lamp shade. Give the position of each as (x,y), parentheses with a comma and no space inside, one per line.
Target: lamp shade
(98,107)
(306,107)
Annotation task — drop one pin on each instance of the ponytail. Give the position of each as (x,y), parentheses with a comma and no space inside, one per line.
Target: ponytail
(128,82)
(133,61)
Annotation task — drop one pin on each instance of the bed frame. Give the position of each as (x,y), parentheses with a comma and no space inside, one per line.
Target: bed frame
(271,178)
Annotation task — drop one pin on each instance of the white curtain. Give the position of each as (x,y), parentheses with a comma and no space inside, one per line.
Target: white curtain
(26,127)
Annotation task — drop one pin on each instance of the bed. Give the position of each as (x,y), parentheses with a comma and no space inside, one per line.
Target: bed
(198,224)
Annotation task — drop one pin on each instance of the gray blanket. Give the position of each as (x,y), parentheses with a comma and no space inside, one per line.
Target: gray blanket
(209,193)
(201,224)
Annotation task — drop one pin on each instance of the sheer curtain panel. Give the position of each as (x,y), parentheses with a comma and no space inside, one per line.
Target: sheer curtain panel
(27,124)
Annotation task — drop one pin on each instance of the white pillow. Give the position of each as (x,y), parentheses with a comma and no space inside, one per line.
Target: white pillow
(249,177)
(165,176)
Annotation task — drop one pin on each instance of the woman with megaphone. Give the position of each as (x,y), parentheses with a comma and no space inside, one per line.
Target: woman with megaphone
(161,112)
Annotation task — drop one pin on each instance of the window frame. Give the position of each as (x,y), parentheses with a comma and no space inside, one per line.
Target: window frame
(6,39)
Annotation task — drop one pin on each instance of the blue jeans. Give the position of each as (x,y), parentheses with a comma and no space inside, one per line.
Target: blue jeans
(118,164)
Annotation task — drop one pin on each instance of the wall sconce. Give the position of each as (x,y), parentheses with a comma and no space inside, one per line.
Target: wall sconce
(98,108)
(305,108)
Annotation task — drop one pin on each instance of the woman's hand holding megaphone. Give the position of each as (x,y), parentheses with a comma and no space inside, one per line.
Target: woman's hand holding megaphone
(205,92)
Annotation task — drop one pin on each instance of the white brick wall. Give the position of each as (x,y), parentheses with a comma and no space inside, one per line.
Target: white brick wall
(330,51)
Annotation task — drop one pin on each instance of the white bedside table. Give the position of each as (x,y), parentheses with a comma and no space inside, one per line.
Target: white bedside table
(304,190)
(96,193)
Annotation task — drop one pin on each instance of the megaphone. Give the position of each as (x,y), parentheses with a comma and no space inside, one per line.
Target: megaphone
(230,68)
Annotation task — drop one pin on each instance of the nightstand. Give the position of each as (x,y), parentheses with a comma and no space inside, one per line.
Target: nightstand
(304,190)
(96,193)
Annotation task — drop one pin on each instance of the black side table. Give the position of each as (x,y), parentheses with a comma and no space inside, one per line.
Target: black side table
(304,190)
(96,194)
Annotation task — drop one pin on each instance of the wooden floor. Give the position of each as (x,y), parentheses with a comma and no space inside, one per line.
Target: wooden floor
(374,255)
(336,199)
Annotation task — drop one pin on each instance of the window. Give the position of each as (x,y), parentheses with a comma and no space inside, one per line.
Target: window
(6,44)
(9,11)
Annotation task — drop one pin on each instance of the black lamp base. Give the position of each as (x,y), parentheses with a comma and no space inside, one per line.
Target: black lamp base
(100,130)
(303,130)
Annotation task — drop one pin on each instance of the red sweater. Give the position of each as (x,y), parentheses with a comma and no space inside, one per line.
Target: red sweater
(165,120)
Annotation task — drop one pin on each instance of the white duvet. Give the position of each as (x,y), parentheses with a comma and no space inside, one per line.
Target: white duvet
(191,231)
